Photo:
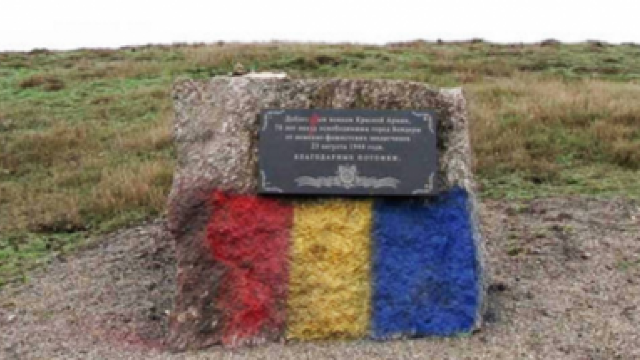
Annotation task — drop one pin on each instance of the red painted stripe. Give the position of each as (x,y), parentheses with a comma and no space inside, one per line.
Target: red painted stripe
(250,236)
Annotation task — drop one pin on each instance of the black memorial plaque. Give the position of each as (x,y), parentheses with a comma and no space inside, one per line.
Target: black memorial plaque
(348,152)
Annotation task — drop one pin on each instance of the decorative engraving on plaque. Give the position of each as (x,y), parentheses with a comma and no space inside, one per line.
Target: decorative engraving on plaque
(427,118)
(347,177)
(428,187)
(268,115)
(266,185)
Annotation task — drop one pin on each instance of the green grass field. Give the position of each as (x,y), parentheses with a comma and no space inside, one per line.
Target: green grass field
(85,140)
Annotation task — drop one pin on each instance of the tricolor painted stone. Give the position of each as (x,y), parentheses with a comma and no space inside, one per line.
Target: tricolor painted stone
(254,268)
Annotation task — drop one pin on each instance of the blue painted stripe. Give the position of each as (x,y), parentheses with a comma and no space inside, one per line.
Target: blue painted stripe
(425,271)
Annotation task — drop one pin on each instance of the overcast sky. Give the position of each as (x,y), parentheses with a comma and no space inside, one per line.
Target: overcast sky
(69,24)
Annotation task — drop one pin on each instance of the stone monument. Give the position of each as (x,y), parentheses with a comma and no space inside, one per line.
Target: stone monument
(322,209)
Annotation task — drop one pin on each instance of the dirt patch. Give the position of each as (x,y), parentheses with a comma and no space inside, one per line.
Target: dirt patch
(564,285)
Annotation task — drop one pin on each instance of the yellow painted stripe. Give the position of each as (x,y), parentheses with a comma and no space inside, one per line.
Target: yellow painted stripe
(329,287)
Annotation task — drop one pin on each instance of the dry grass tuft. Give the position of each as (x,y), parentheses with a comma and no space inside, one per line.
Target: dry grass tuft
(133,68)
(46,82)
(55,213)
(60,143)
(228,55)
(537,125)
(625,153)
(143,185)
(148,138)
(102,100)
(41,211)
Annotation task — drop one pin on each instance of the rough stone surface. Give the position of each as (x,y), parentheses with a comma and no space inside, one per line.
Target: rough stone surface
(215,130)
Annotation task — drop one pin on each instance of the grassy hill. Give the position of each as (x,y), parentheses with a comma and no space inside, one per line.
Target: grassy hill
(85,143)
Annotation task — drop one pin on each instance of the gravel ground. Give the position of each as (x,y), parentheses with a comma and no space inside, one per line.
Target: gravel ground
(564,285)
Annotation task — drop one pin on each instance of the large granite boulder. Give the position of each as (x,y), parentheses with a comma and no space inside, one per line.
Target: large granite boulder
(254,269)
